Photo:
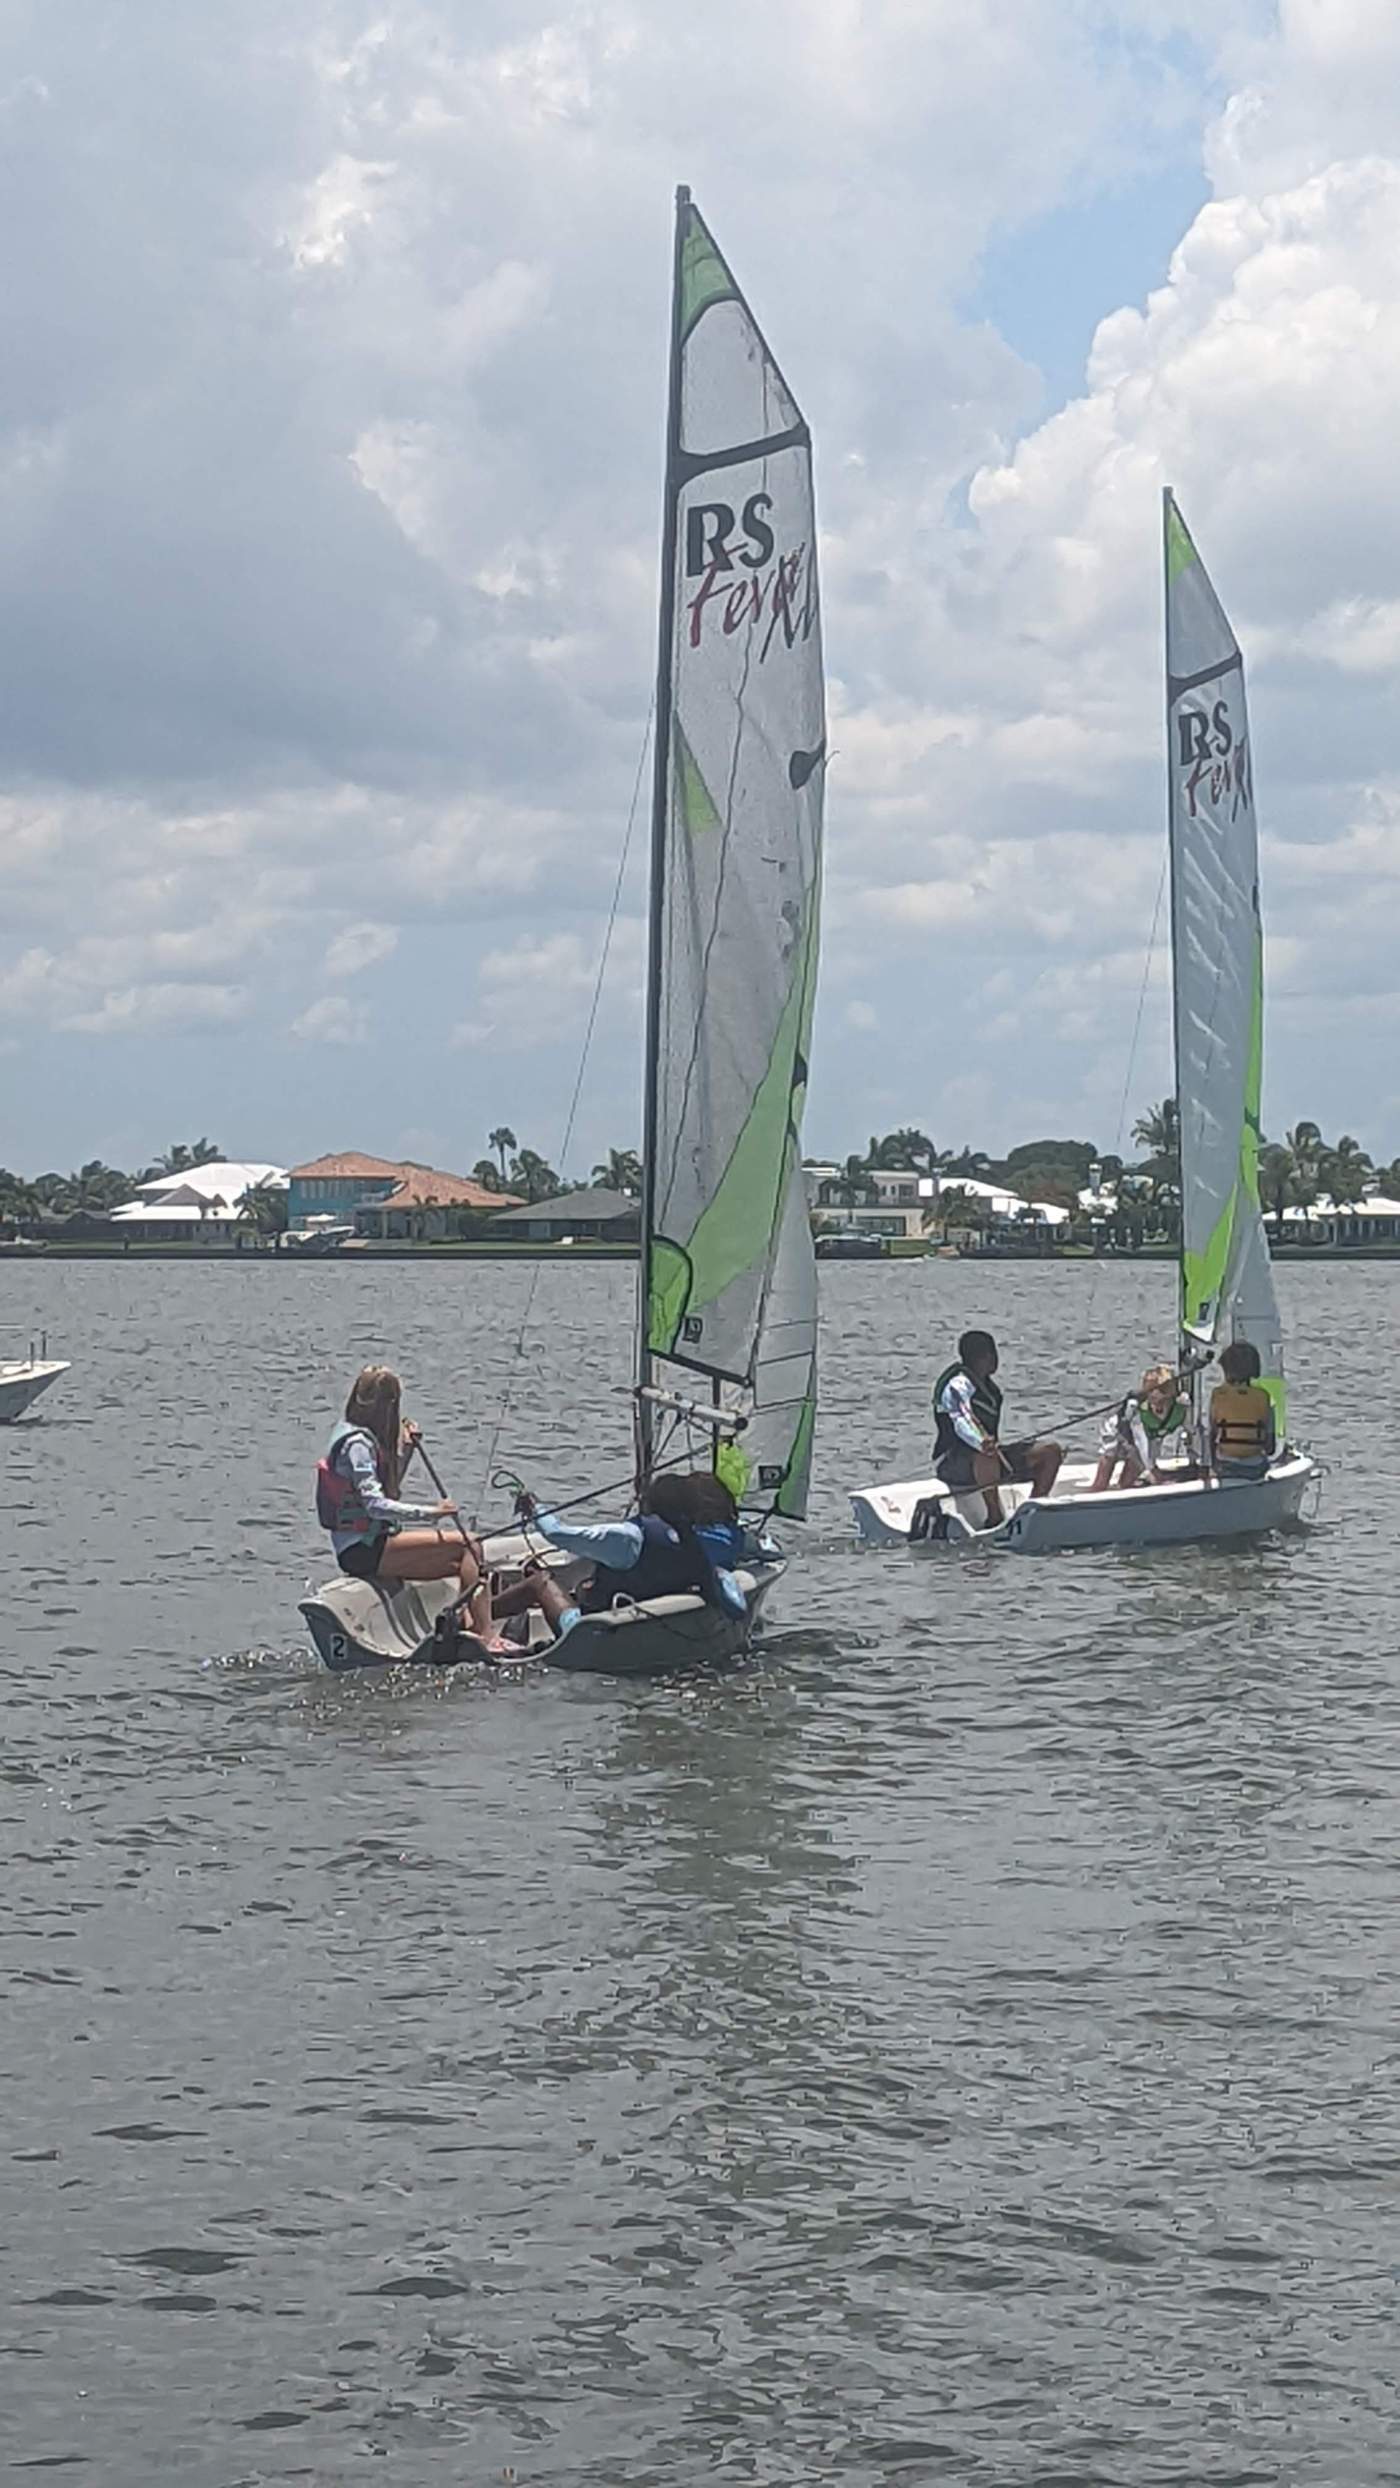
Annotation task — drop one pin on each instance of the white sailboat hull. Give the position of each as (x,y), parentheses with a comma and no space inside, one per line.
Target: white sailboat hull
(21,1384)
(1185,1513)
(357,1624)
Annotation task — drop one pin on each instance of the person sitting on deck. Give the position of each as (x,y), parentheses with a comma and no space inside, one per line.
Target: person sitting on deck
(967,1450)
(377,1537)
(1133,1435)
(1243,1435)
(686,1535)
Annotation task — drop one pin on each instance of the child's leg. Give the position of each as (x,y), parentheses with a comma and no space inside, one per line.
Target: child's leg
(475,1596)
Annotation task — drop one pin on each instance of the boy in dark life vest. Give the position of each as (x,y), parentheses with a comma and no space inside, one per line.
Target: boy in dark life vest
(376,1536)
(967,1449)
(686,1535)
(1133,1436)
(1243,1435)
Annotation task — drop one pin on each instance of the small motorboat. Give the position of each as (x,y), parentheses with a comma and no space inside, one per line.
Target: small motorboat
(24,1379)
(373,1624)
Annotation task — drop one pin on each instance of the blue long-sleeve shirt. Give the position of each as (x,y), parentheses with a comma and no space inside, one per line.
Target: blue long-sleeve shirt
(618,1544)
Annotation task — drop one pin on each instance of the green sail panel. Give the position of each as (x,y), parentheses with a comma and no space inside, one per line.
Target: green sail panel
(695,805)
(704,276)
(1227,1289)
(740,873)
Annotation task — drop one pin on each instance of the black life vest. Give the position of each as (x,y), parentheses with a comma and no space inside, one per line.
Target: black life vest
(986,1408)
(667,1567)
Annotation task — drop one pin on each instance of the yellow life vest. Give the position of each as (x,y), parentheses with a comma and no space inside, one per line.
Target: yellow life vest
(1241,1416)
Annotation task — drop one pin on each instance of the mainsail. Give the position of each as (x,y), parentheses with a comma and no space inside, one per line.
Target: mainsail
(727,1285)
(1217,955)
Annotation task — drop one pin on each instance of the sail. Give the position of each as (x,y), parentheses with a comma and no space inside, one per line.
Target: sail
(1227,1287)
(735,854)
(769,1466)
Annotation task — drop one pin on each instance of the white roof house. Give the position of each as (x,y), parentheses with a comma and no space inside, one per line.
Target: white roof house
(902,1190)
(1000,1202)
(212,1194)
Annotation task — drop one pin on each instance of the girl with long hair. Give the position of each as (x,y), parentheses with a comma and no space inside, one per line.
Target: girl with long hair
(376,1535)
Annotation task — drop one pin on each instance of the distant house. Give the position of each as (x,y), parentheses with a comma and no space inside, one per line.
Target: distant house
(593,1215)
(201,1204)
(336,1186)
(904,1202)
(383,1198)
(421,1203)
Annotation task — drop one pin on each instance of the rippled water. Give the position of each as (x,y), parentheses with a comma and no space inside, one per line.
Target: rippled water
(959,2047)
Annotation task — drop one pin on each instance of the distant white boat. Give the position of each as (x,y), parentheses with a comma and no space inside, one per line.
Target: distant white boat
(24,1379)
(1227,1290)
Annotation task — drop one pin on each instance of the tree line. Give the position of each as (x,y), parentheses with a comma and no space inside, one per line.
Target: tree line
(96,1188)
(1142,1194)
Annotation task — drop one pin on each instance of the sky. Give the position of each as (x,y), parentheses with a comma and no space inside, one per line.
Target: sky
(330,446)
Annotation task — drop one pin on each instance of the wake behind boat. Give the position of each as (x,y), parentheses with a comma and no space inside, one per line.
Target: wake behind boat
(1227,1291)
(725,1365)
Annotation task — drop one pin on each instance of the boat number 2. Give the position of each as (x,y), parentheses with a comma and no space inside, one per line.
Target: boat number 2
(339,1651)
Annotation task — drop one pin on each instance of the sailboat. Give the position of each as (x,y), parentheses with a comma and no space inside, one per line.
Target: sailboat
(725,1357)
(1226,1281)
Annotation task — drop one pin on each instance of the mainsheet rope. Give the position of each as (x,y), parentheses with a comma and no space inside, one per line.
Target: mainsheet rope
(508,1396)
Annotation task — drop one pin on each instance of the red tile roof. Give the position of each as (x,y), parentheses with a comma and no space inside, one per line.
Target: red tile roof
(423,1187)
(349,1162)
(415,1186)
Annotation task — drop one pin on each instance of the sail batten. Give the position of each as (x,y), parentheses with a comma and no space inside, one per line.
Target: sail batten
(736,875)
(1217,968)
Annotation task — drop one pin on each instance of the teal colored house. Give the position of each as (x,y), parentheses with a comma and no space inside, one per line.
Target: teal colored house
(335,1187)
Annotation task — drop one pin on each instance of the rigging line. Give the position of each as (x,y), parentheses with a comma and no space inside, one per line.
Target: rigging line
(1129,1066)
(508,1396)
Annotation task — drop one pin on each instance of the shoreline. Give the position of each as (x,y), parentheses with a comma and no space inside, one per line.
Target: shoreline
(256,1257)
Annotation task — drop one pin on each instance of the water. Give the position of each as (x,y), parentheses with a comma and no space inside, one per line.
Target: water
(961,2047)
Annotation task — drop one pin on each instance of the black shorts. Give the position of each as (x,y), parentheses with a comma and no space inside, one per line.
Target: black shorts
(361,1560)
(955,1467)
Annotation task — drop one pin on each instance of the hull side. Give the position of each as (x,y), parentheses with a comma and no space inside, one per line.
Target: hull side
(1072,1518)
(356,1624)
(21,1385)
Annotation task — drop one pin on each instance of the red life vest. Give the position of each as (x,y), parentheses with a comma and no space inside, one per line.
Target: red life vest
(338,1505)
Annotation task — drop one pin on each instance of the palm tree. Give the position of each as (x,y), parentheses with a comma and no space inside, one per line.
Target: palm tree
(852,1183)
(1159,1130)
(500,1140)
(906,1147)
(1305,1142)
(490,1177)
(620,1171)
(1345,1170)
(263,1208)
(183,1154)
(955,1207)
(533,1176)
(973,1162)
(1278,1175)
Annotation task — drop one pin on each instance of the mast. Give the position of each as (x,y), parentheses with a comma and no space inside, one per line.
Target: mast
(660,801)
(1186,1349)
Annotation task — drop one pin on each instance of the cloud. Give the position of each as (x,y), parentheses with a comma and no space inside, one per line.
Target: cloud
(328,511)
(359,946)
(79,990)
(334,1020)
